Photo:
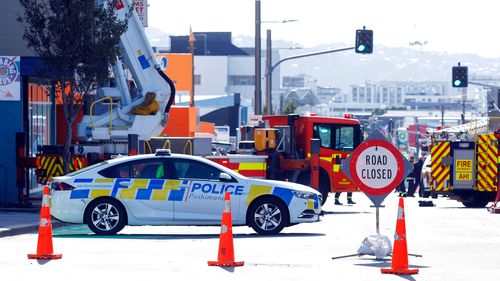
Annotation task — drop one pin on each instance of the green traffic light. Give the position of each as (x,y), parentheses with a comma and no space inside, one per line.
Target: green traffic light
(457,83)
(361,48)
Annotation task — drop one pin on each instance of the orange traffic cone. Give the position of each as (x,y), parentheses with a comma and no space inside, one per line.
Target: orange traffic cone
(44,249)
(399,263)
(226,250)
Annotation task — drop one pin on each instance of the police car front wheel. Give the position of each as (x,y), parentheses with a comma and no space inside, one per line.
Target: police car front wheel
(267,216)
(105,216)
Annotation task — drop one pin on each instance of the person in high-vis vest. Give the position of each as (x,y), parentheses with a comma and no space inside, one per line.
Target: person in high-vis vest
(349,198)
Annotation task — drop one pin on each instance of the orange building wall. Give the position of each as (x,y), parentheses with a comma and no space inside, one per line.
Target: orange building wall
(180,70)
(207,127)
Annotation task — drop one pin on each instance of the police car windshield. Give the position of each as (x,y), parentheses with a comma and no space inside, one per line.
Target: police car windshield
(77,172)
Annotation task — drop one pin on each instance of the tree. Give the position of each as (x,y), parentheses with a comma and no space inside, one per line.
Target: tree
(290,107)
(77,39)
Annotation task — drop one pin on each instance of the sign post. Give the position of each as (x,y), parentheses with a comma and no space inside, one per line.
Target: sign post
(377,167)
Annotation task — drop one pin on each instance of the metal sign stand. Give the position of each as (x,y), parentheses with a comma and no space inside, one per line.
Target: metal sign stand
(376,167)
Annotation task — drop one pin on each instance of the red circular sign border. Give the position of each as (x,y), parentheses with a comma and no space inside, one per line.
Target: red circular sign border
(399,163)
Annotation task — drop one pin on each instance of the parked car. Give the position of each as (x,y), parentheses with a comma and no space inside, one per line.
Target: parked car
(175,189)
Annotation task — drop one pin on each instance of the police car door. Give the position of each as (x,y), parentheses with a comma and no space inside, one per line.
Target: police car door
(146,192)
(201,192)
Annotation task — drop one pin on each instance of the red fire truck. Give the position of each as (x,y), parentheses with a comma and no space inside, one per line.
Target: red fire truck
(286,143)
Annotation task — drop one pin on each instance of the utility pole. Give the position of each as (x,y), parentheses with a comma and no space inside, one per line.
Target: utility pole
(269,88)
(257,94)
(192,41)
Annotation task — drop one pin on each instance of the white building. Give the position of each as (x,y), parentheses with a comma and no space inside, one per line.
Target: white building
(221,68)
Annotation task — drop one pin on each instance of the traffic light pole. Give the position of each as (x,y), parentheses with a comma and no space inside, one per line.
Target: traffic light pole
(270,69)
(308,55)
(464,96)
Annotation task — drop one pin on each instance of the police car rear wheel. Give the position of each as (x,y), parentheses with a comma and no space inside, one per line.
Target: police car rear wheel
(105,217)
(268,216)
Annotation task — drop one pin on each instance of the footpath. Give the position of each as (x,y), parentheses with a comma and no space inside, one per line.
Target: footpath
(17,221)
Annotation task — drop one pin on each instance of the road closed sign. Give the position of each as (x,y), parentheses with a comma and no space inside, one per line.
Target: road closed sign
(377,167)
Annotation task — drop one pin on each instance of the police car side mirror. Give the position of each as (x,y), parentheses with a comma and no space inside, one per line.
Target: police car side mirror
(225,177)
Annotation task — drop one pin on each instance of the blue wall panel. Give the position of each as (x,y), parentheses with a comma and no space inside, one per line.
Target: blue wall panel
(11,123)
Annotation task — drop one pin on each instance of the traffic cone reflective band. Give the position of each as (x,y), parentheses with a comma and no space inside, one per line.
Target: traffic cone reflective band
(399,264)
(226,250)
(44,250)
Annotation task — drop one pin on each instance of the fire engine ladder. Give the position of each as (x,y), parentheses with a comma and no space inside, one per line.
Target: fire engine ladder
(466,131)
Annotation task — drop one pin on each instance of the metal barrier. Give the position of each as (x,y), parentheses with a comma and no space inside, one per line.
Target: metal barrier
(190,147)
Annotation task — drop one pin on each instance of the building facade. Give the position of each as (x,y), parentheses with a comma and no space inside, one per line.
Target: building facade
(221,68)
(406,94)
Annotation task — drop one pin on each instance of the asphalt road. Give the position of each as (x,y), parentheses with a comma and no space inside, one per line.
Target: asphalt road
(456,244)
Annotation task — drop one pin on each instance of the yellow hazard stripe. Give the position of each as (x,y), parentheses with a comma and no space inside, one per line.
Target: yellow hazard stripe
(488,157)
(440,172)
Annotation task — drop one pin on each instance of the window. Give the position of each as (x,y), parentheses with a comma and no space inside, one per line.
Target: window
(197,79)
(361,95)
(354,94)
(116,171)
(151,169)
(239,80)
(323,133)
(399,98)
(189,169)
(344,138)
(87,169)
(338,137)
(392,98)
(144,169)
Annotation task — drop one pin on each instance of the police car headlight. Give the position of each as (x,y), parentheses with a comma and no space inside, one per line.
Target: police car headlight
(303,195)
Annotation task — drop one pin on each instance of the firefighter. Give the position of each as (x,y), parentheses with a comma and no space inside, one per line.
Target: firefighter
(349,198)
(412,178)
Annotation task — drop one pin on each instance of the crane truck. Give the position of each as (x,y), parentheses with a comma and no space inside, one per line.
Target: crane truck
(292,159)
(109,131)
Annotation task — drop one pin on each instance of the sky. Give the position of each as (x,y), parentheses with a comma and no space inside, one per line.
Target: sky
(459,26)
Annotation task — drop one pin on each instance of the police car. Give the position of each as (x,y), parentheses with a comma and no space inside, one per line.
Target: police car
(174,189)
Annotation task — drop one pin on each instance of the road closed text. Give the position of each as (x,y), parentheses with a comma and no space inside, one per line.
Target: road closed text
(377,172)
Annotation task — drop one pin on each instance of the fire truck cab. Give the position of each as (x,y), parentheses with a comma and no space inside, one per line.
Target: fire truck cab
(287,145)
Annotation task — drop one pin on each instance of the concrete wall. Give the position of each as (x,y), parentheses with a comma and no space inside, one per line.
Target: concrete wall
(214,73)
(11,31)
